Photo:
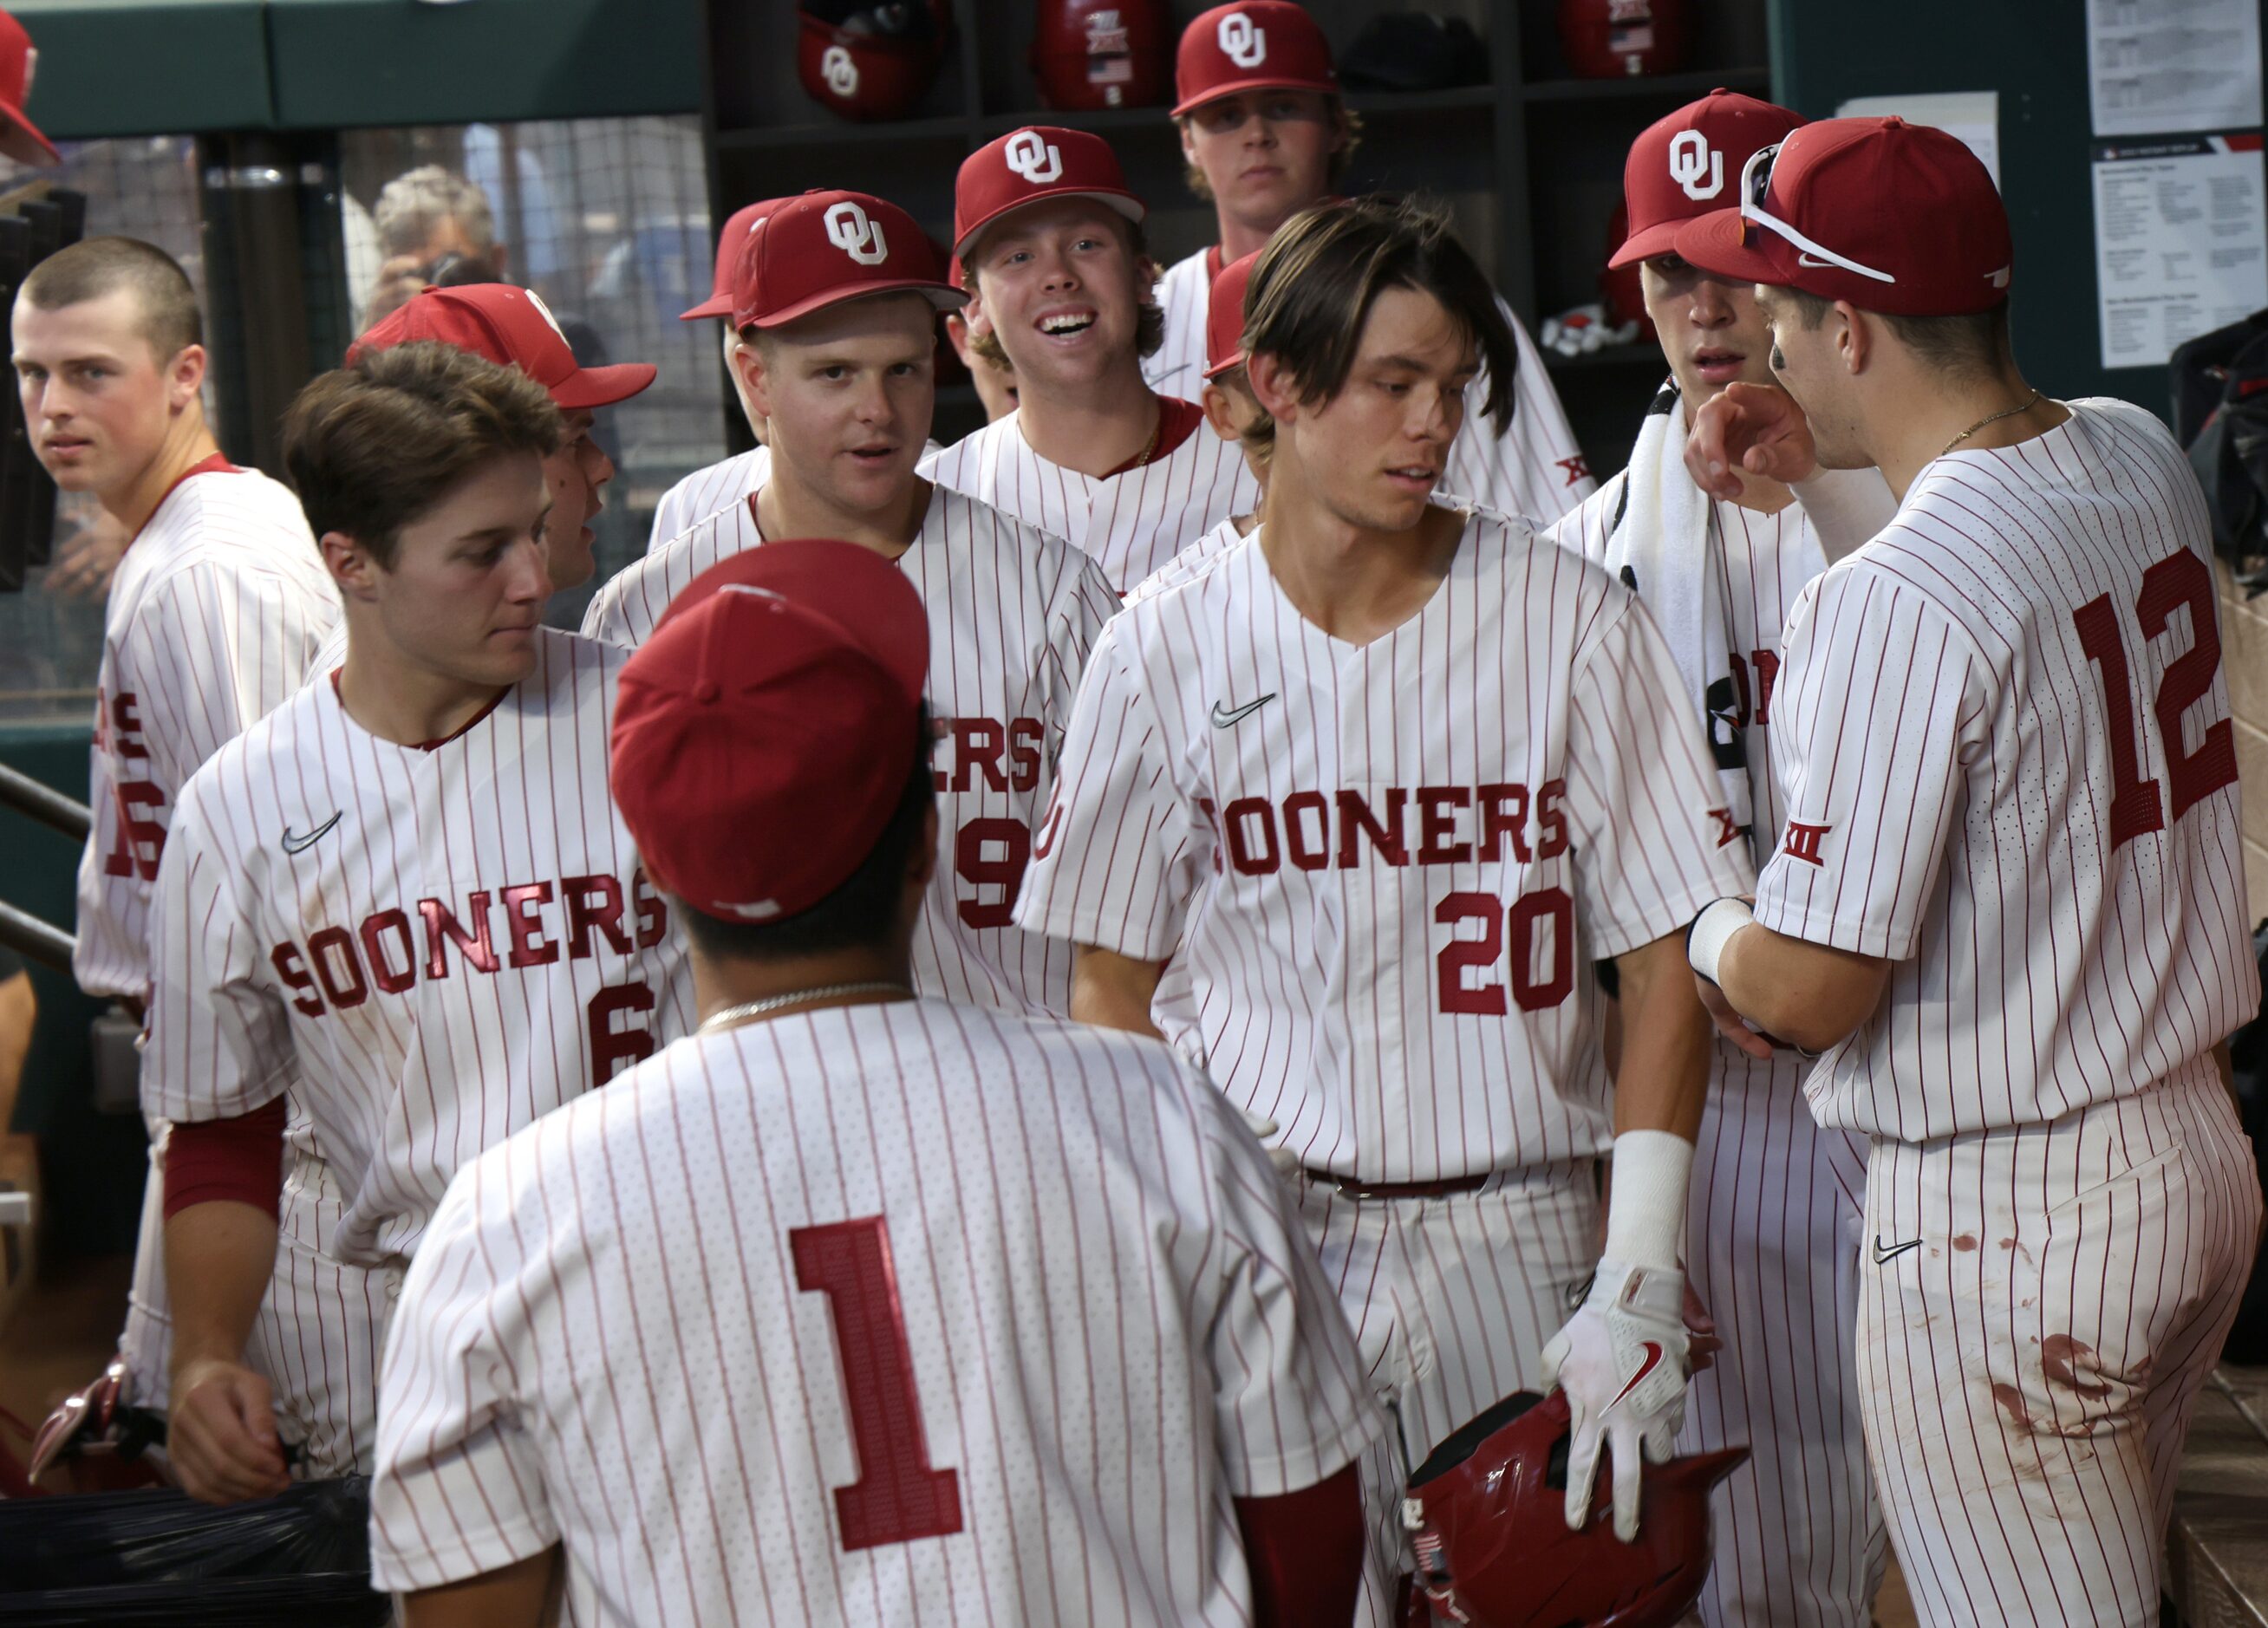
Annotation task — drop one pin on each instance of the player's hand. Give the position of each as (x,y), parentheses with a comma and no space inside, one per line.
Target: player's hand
(1758,429)
(1264,1128)
(1621,1361)
(84,564)
(220,1433)
(1730,1023)
(1703,1342)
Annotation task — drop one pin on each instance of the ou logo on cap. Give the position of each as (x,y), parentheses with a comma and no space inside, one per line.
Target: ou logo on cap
(1034,157)
(1243,44)
(842,72)
(849,230)
(1693,162)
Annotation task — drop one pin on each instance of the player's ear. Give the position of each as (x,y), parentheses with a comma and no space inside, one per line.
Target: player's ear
(956,332)
(1854,336)
(921,863)
(351,565)
(185,377)
(1188,127)
(749,363)
(1272,386)
(1220,413)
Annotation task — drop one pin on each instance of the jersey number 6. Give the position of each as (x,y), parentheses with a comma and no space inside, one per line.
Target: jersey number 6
(2136,808)
(897,1497)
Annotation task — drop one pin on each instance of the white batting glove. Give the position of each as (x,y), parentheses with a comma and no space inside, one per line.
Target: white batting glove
(1287,1161)
(1621,1359)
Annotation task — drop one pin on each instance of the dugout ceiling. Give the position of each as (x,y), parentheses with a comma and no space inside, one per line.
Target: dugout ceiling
(146,67)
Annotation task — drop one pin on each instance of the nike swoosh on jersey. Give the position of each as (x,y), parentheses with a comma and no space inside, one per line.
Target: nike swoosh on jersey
(1653,1361)
(1882,1255)
(1224,718)
(300,845)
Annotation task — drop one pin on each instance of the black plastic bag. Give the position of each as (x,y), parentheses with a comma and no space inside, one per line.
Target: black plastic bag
(2248,1053)
(2220,418)
(161,1558)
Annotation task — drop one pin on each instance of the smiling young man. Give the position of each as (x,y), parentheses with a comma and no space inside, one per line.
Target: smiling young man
(837,312)
(402,905)
(1051,243)
(1773,1215)
(1266,135)
(1349,816)
(2008,902)
(217,608)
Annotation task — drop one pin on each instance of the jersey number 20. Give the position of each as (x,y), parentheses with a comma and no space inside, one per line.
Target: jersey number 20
(2136,806)
(1532,913)
(897,1497)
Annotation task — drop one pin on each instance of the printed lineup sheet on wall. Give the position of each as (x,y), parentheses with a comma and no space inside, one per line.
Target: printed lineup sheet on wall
(2158,66)
(2181,241)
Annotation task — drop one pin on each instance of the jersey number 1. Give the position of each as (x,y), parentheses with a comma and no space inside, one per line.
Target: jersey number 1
(2136,806)
(897,1497)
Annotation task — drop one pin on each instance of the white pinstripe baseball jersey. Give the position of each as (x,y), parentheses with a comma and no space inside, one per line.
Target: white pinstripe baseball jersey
(1011,615)
(214,614)
(426,947)
(1382,873)
(1131,523)
(890,1313)
(1537,469)
(1193,561)
(2009,769)
(707,490)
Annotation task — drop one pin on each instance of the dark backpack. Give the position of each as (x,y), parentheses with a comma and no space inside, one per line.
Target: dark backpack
(2248,1052)
(2221,417)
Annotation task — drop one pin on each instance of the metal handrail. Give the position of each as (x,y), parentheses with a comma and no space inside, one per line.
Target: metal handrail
(28,936)
(50,807)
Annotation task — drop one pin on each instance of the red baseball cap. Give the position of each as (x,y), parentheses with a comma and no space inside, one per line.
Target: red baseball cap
(765,732)
(1225,316)
(1689,163)
(19,137)
(1892,216)
(825,247)
(1038,162)
(732,243)
(1260,45)
(506,324)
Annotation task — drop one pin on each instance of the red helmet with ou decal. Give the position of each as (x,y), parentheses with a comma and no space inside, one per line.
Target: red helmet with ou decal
(1093,54)
(1489,1520)
(1613,39)
(870,59)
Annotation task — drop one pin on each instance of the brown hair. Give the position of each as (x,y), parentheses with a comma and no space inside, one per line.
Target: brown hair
(373,446)
(1149,318)
(1349,124)
(94,266)
(1972,346)
(1313,285)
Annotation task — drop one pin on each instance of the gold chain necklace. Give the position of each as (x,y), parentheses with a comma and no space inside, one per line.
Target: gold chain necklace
(2005,412)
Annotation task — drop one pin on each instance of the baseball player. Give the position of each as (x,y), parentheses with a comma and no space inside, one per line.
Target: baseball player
(2007,903)
(1230,413)
(838,310)
(1266,135)
(1050,243)
(729,481)
(990,376)
(855,1306)
(1350,815)
(402,901)
(1773,1211)
(219,603)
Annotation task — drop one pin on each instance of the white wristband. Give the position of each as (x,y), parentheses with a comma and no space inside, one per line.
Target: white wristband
(1646,1210)
(1712,931)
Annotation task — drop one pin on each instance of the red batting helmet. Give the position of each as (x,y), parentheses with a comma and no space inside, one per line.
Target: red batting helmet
(1493,1546)
(1611,38)
(870,59)
(1092,54)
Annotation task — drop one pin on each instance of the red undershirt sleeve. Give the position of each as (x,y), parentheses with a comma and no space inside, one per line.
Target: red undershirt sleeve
(240,1160)
(1305,1553)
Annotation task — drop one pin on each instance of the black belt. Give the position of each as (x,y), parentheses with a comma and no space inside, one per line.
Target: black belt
(1449,1188)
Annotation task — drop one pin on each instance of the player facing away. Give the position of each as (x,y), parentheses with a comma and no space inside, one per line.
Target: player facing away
(838,311)
(728,481)
(1348,817)
(403,902)
(1058,275)
(1266,135)
(2009,903)
(217,608)
(856,1306)
(1773,1218)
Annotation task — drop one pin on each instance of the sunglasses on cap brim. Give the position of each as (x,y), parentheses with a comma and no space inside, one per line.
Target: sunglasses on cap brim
(1755,181)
